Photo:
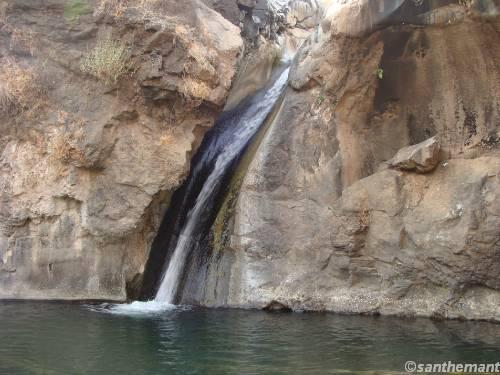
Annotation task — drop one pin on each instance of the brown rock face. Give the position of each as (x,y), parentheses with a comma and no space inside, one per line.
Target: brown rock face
(88,162)
(320,224)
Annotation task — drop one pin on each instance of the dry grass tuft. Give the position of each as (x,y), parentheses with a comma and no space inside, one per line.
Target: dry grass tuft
(113,8)
(364,218)
(60,149)
(146,10)
(107,61)
(64,145)
(117,8)
(19,89)
(167,138)
(195,90)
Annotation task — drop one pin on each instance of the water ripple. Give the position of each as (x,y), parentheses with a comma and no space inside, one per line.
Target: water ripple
(51,338)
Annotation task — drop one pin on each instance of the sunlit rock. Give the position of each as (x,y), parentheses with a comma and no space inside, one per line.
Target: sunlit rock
(423,157)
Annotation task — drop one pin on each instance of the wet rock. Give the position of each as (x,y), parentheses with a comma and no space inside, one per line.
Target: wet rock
(275,306)
(254,72)
(422,157)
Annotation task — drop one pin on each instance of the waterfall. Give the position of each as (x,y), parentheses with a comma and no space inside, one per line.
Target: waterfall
(221,148)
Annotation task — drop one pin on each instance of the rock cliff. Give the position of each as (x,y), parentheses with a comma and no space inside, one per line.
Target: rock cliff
(102,105)
(324,220)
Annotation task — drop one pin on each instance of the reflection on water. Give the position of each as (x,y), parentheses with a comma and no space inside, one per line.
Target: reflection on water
(50,338)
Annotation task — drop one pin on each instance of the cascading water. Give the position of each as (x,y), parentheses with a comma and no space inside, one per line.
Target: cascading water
(221,148)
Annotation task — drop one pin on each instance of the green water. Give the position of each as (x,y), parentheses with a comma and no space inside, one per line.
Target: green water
(50,338)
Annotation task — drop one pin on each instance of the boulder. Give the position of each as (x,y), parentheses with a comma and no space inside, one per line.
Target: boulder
(422,157)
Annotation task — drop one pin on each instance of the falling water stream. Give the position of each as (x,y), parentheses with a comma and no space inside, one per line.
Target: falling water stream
(193,207)
(222,147)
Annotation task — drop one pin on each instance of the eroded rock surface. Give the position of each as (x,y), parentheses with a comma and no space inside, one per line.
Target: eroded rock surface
(86,166)
(322,224)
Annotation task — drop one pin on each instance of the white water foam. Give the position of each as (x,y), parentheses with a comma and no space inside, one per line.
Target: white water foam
(137,308)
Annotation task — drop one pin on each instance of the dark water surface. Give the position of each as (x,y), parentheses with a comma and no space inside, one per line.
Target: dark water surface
(52,338)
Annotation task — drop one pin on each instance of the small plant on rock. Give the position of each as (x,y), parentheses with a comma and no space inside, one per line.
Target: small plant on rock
(107,61)
(73,9)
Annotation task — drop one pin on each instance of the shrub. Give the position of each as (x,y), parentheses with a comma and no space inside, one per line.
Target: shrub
(379,73)
(19,90)
(107,61)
